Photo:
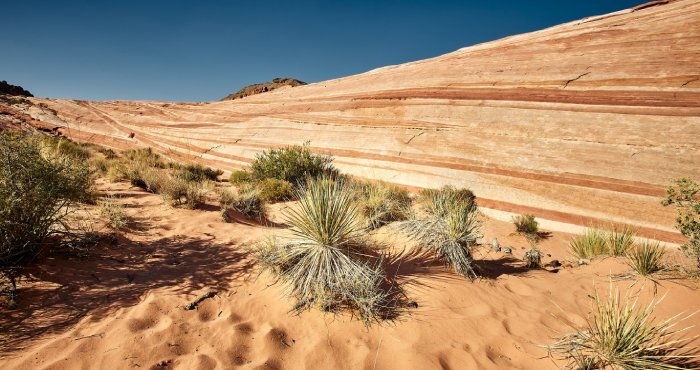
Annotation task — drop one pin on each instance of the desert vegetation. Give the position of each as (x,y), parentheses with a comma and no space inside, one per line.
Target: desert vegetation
(647,258)
(39,185)
(621,334)
(381,203)
(684,194)
(596,242)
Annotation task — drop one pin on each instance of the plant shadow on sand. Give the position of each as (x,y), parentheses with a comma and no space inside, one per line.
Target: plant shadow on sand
(61,290)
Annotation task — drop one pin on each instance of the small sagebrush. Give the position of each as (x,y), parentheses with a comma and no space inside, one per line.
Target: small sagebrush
(245,202)
(591,244)
(623,335)
(646,258)
(327,263)
(198,173)
(274,190)
(177,191)
(240,177)
(293,164)
(381,203)
(533,258)
(451,229)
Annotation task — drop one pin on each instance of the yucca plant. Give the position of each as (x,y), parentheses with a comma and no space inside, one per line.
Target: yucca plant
(326,262)
(622,335)
(591,244)
(646,258)
(450,230)
(620,240)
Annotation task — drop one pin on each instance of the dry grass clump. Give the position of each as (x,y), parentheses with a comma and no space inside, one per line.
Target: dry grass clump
(646,258)
(38,189)
(381,203)
(620,240)
(327,263)
(177,191)
(240,177)
(245,202)
(622,335)
(451,228)
(591,244)
(527,226)
(145,157)
(274,190)
(114,213)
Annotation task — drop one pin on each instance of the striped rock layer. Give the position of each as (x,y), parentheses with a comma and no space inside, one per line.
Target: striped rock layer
(582,123)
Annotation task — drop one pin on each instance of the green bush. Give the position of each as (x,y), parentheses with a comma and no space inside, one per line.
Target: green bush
(293,164)
(685,195)
(381,203)
(37,191)
(199,173)
(327,263)
(240,177)
(246,203)
(274,190)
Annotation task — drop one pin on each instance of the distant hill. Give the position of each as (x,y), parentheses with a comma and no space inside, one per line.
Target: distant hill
(8,89)
(264,87)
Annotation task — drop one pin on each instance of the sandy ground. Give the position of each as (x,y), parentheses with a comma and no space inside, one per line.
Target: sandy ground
(123,307)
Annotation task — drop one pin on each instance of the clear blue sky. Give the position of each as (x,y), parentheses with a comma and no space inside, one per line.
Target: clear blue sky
(203,50)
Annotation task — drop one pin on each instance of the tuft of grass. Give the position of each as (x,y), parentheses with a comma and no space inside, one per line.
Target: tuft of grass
(293,164)
(111,210)
(646,258)
(623,335)
(327,263)
(145,158)
(245,202)
(451,229)
(620,240)
(381,203)
(527,226)
(274,190)
(591,244)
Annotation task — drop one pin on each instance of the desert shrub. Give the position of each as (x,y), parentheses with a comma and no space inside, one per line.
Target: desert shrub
(37,191)
(327,263)
(685,195)
(59,146)
(293,164)
(438,202)
(526,225)
(145,158)
(108,153)
(148,178)
(381,203)
(274,190)
(619,240)
(199,173)
(450,230)
(533,258)
(591,244)
(116,171)
(177,191)
(646,258)
(245,202)
(99,165)
(623,335)
(240,177)
(114,213)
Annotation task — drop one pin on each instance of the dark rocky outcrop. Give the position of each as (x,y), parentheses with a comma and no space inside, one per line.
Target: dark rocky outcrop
(6,88)
(264,87)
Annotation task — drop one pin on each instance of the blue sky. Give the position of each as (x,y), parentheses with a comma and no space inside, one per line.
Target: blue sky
(202,51)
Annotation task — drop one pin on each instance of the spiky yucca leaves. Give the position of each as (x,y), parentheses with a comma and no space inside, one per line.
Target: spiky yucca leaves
(450,230)
(326,262)
(620,240)
(646,258)
(622,335)
(591,244)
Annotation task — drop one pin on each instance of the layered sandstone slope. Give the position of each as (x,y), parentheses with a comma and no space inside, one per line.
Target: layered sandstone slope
(582,122)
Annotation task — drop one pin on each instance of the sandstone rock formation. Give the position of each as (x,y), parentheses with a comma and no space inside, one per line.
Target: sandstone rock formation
(7,89)
(276,83)
(581,123)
